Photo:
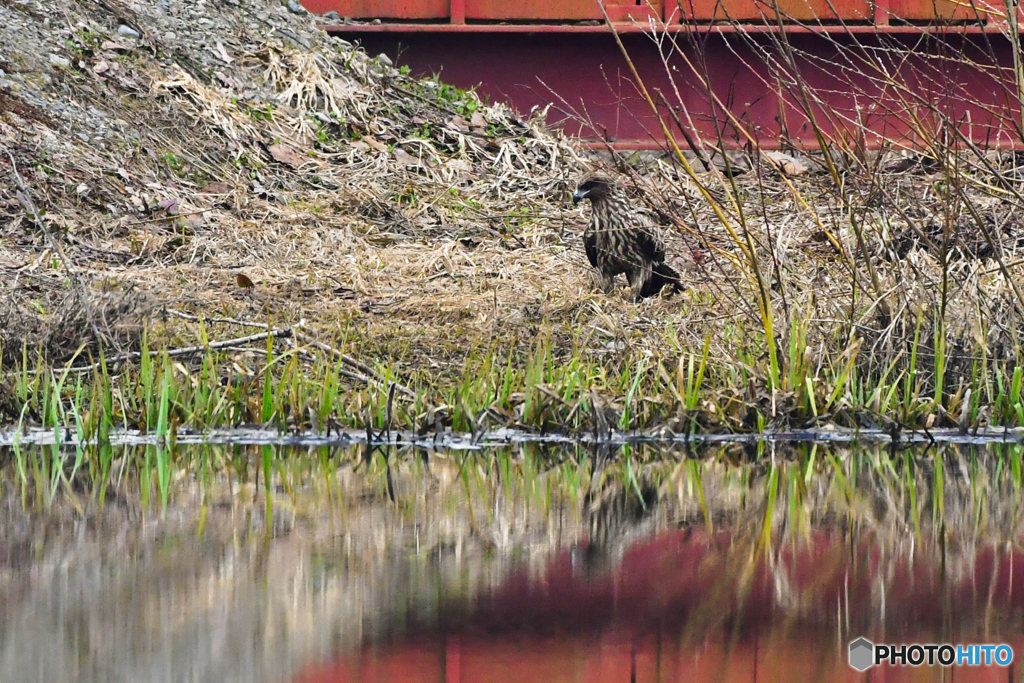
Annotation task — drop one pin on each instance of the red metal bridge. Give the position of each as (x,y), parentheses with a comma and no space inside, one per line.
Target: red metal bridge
(735,73)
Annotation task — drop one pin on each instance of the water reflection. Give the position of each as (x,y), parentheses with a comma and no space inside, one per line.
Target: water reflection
(728,564)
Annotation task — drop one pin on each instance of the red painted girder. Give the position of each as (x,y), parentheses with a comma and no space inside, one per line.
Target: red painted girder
(879,12)
(382,9)
(566,10)
(859,29)
(490,10)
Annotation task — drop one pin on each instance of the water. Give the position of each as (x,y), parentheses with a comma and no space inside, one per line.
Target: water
(735,562)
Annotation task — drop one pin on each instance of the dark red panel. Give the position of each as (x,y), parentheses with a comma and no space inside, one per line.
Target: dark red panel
(559,10)
(585,73)
(927,10)
(789,10)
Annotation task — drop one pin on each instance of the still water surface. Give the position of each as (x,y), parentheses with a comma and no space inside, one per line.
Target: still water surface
(731,563)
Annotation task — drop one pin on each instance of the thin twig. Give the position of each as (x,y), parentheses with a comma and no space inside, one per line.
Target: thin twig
(280,333)
(366,373)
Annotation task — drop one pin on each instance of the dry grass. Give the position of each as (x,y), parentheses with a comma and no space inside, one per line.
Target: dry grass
(387,204)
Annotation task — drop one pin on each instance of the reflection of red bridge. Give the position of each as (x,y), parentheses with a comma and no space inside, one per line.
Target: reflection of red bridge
(683,608)
(846,52)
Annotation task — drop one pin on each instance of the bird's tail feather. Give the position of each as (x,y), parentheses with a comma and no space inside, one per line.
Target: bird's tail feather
(662,275)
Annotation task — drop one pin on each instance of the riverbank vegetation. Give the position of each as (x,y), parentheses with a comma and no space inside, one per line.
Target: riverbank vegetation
(315,239)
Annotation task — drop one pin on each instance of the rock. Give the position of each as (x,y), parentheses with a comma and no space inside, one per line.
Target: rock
(82,136)
(170,36)
(128,31)
(295,8)
(734,164)
(787,163)
(332,17)
(385,60)
(6,84)
(795,164)
(62,62)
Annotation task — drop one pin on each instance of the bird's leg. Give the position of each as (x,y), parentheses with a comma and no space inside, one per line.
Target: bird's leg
(634,285)
(607,282)
(637,281)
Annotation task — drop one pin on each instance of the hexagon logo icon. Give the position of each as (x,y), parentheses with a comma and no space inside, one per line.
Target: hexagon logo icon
(862,654)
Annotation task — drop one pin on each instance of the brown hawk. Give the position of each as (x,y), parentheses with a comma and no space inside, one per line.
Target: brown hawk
(621,238)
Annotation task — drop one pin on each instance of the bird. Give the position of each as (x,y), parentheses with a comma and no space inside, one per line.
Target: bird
(621,238)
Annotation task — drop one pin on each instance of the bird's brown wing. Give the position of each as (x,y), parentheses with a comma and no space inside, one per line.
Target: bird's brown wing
(648,240)
(647,216)
(590,246)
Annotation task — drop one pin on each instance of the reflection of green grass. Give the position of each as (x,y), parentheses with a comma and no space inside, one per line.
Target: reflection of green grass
(890,496)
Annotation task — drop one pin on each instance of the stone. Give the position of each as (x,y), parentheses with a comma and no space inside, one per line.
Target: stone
(788,164)
(332,17)
(385,60)
(295,7)
(62,62)
(128,31)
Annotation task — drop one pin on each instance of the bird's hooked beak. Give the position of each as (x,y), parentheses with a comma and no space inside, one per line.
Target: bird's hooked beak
(578,196)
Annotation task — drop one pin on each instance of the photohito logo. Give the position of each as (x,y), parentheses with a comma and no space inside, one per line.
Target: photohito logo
(864,654)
